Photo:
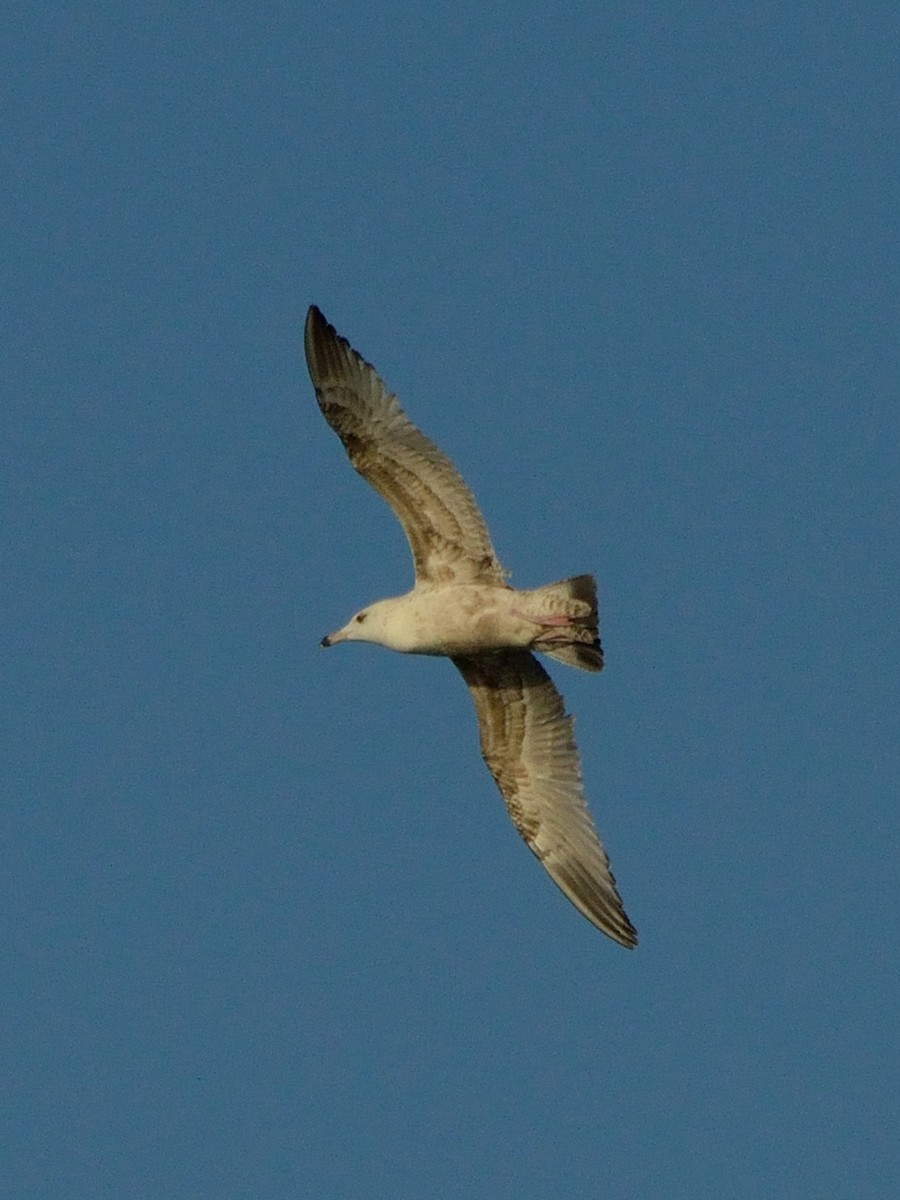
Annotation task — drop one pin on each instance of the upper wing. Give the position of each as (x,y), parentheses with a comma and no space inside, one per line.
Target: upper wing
(527,743)
(444,528)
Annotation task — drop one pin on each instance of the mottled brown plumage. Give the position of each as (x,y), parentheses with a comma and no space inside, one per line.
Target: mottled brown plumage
(462,607)
(528,745)
(443,525)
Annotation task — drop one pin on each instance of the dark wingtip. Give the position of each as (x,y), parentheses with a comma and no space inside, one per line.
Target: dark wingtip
(315,326)
(326,350)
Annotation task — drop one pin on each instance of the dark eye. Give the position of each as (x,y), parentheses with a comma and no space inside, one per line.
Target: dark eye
(360,617)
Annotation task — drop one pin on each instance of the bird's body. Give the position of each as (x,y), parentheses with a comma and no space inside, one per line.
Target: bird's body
(473,618)
(461,607)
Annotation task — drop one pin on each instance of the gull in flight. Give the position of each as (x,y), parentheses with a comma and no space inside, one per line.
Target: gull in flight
(462,608)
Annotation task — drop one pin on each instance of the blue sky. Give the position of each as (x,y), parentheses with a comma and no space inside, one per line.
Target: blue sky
(266,928)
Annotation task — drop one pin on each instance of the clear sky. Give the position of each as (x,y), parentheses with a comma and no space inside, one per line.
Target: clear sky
(266,928)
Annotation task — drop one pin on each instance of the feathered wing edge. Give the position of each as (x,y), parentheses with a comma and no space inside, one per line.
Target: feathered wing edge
(529,748)
(442,522)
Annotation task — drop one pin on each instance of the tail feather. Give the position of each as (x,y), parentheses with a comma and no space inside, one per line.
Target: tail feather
(577,644)
(588,658)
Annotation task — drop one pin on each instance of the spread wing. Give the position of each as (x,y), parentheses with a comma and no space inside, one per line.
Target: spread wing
(445,530)
(527,743)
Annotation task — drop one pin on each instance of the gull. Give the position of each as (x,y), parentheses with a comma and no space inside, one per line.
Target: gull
(461,607)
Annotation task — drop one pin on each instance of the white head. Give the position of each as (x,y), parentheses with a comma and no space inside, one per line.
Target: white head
(381,623)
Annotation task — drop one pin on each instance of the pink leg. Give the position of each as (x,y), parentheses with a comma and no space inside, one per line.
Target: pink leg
(547,619)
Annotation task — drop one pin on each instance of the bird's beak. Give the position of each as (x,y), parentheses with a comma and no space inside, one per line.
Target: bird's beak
(331,639)
(326,640)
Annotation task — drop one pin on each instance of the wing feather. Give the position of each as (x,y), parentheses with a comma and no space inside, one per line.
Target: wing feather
(443,525)
(528,745)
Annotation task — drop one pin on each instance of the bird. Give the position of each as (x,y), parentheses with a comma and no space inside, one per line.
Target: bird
(461,607)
